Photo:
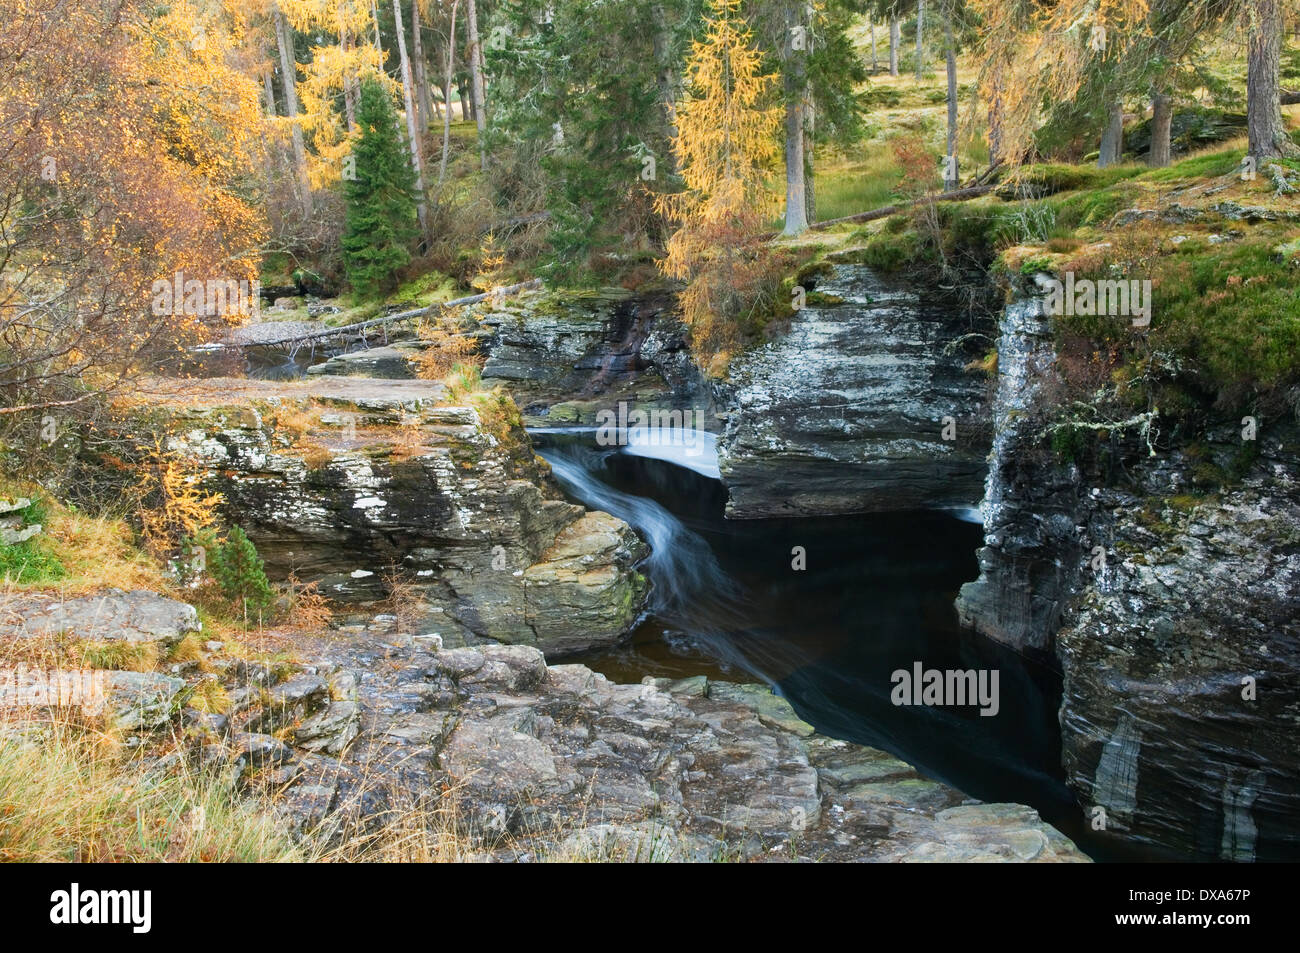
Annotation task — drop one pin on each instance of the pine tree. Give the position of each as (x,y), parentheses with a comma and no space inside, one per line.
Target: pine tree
(380,218)
(240,572)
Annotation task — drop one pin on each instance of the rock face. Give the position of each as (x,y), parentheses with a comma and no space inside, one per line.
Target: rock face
(565,360)
(386,477)
(557,762)
(128,701)
(391,362)
(1172,613)
(1181,701)
(846,413)
(1032,547)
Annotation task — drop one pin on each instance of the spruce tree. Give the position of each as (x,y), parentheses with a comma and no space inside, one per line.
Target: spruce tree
(380,222)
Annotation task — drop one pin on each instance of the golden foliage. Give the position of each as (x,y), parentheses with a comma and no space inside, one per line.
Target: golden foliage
(725,146)
(448,341)
(173,503)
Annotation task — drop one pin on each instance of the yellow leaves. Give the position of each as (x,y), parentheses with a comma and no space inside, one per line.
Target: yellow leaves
(725,141)
(725,146)
(175,505)
(330,69)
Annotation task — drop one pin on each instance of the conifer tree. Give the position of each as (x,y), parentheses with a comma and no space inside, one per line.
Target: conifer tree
(380,220)
(726,149)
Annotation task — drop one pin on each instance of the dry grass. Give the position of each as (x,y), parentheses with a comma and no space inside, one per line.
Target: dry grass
(94,552)
(448,344)
(68,794)
(412,833)
(309,611)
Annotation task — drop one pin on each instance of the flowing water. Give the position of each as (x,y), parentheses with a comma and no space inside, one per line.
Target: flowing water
(875,597)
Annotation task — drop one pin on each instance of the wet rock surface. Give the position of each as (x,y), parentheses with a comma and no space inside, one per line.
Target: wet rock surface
(1181,703)
(1030,560)
(1165,602)
(845,413)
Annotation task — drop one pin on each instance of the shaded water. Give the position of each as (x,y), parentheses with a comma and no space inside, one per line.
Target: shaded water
(876,597)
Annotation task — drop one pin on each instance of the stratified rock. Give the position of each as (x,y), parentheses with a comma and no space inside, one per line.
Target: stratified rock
(110,615)
(846,413)
(1032,545)
(391,362)
(140,701)
(1165,608)
(556,762)
(567,357)
(577,594)
(391,481)
(1181,702)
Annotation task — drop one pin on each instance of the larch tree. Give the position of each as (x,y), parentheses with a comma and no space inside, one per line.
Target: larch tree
(130,142)
(289,78)
(332,75)
(725,147)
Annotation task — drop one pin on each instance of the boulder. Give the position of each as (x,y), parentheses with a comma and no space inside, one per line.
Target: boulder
(110,615)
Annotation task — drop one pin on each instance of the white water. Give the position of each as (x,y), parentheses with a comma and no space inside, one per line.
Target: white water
(691,591)
(693,449)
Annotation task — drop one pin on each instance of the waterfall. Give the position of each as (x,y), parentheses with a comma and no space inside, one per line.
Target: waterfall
(690,590)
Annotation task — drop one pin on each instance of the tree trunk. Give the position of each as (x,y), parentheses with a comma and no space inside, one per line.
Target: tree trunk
(424,98)
(995,117)
(1162,117)
(289,69)
(446,116)
(895,36)
(796,208)
(476,80)
(920,56)
(349,81)
(1265,131)
(1112,137)
(421,206)
(269,90)
(809,131)
(875,65)
(466,108)
(666,78)
(950,54)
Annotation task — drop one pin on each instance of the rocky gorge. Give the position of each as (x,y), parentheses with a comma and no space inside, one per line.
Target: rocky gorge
(479,601)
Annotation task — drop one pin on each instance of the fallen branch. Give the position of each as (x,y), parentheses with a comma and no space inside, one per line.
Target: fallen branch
(961,195)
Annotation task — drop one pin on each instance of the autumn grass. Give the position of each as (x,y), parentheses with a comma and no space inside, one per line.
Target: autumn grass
(70,795)
(76,552)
